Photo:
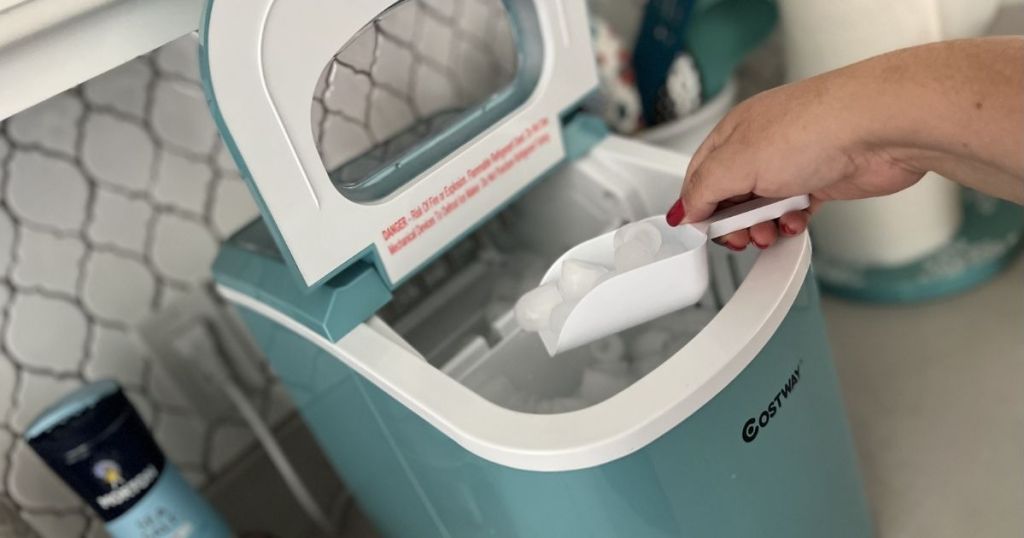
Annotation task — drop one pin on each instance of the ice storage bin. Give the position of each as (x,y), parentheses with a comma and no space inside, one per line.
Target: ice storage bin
(381,293)
(683,451)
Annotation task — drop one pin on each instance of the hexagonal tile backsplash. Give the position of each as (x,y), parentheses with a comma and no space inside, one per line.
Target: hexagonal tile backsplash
(115,195)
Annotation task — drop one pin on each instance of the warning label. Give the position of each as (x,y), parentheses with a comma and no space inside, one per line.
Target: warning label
(457,193)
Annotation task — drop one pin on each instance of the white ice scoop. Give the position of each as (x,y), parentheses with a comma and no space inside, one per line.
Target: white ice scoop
(677,278)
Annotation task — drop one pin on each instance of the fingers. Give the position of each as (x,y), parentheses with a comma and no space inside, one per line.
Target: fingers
(794,223)
(677,212)
(735,241)
(706,147)
(710,143)
(816,204)
(763,235)
(719,177)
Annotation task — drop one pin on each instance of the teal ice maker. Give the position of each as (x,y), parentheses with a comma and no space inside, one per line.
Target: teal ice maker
(380,279)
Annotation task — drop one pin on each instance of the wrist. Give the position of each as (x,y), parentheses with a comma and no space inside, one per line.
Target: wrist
(888,110)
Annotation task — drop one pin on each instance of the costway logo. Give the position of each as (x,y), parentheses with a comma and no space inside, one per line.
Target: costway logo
(754,425)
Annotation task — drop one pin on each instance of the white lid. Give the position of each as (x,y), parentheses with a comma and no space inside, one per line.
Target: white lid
(261,60)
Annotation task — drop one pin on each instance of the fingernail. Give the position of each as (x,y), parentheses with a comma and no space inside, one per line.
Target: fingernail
(735,248)
(786,229)
(676,213)
(759,245)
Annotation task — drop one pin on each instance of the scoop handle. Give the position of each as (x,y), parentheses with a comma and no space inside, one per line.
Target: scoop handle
(749,213)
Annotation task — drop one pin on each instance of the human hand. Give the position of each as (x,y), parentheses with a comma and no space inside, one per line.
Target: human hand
(803,138)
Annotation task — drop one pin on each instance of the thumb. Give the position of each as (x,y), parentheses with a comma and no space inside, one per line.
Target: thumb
(720,176)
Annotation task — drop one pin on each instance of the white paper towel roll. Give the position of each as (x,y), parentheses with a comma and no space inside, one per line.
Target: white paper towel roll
(819,36)
(892,230)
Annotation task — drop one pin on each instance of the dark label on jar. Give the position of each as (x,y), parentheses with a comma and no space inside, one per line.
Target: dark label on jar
(105,453)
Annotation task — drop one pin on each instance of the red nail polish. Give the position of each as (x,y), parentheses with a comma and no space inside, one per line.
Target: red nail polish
(676,213)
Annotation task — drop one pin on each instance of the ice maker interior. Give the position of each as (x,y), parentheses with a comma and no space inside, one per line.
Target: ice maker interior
(457,312)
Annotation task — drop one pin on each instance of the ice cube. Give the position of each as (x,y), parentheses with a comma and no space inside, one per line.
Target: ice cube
(567,404)
(609,349)
(498,390)
(533,310)
(647,365)
(558,404)
(578,278)
(610,355)
(558,316)
(616,368)
(652,343)
(544,405)
(528,403)
(519,401)
(598,385)
(649,350)
(644,232)
(689,320)
(678,342)
(633,254)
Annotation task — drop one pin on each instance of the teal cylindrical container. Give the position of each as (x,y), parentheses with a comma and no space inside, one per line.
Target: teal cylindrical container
(96,442)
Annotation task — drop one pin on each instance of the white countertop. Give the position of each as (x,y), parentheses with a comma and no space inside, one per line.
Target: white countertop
(935,395)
